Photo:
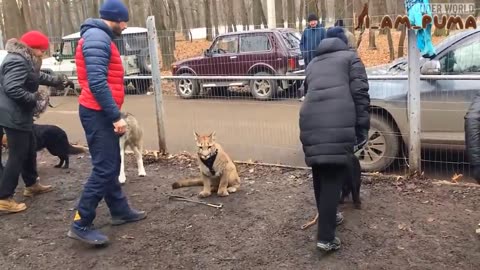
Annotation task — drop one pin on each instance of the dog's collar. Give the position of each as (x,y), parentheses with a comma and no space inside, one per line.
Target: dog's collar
(209,162)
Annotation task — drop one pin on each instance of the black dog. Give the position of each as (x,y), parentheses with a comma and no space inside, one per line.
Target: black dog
(56,141)
(353,184)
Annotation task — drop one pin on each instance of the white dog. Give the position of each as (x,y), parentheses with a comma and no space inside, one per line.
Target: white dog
(132,138)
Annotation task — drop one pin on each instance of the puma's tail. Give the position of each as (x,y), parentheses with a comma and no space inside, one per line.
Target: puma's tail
(187,183)
(76,149)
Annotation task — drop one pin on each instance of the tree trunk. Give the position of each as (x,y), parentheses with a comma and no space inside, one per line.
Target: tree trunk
(232,26)
(339,10)
(208,20)
(25,11)
(349,16)
(401,42)
(244,15)
(67,23)
(390,44)
(257,14)
(323,9)
(167,46)
(280,22)
(183,21)
(312,7)
(215,16)
(301,15)
(14,21)
(291,22)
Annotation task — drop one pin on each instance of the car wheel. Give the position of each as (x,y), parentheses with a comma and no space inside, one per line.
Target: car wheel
(382,146)
(187,88)
(263,89)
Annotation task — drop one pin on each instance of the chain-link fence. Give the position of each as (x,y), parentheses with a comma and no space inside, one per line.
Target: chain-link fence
(247,87)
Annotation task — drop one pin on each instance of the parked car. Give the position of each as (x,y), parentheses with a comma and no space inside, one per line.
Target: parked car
(443,102)
(258,52)
(133,47)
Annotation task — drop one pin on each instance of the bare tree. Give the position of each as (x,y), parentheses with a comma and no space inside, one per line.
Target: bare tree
(257,14)
(25,11)
(14,21)
(208,21)
(323,9)
(244,14)
(215,16)
(67,23)
(280,22)
(166,39)
(183,20)
(232,26)
(291,18)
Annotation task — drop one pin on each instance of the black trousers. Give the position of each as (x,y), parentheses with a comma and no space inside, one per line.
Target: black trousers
(22,159)
(327,184)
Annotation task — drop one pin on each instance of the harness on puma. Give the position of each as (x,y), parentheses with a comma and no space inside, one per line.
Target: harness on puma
(209,162)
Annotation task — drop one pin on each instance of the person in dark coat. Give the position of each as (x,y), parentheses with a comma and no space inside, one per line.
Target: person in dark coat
(472,137)
(334,120)
(20,77)
(311,37)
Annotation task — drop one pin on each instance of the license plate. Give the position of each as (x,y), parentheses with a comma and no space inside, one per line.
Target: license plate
(301,62)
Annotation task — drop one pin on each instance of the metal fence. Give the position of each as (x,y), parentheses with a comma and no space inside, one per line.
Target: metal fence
(247,88)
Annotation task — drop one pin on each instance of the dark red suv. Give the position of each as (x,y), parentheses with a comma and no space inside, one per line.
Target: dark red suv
(258,52)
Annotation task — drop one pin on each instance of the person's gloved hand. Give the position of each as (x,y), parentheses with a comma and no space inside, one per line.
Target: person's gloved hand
(361,140)
(63,81)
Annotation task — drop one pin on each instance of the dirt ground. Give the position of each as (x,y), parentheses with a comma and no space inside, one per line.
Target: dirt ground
(404,224)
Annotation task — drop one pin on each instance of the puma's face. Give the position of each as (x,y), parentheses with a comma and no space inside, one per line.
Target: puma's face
(205,145)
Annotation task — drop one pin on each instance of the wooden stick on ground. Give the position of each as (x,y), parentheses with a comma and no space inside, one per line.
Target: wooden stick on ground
(310,223)
(182,198)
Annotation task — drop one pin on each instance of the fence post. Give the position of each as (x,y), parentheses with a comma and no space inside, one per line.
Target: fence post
(271,16)
(414,111)
(156,79)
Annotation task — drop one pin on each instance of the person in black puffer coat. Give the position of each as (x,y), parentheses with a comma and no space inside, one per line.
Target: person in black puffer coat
(472,137)
(20,77)
(334,119)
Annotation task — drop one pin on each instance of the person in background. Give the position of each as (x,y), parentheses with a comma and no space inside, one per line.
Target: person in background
(337,85)
(100,75)
(311,37)
(20,77)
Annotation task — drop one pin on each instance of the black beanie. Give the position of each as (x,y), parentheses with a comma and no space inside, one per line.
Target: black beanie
(337,32)
(339,23)
(312,17)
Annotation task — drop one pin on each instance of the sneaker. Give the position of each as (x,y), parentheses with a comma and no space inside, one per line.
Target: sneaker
(87,235)
(132,216)
(36,189)
(11,206)
(329,246)
(339,218)
(301,99)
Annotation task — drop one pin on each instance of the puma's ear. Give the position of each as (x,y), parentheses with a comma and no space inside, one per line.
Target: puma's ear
(212,135)
(196,135)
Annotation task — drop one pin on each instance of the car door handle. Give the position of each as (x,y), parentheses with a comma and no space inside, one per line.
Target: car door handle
(233,57)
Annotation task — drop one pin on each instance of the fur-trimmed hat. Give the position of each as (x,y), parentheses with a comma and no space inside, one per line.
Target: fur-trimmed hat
(338,33)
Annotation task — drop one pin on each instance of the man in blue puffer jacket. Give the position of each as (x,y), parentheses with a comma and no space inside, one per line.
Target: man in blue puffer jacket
(311,37)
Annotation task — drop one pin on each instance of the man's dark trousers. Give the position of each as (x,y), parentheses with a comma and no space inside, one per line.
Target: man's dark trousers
(103,144)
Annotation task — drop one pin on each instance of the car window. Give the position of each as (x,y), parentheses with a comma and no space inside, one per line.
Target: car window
(292,40)
(227,44)
(462,59)
(68,49)
(255,43)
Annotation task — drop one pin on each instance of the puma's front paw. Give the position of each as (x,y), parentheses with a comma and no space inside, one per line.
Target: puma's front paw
(204,194)
(223,193)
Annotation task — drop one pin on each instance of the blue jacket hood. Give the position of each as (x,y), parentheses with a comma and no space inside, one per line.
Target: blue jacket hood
(96,23)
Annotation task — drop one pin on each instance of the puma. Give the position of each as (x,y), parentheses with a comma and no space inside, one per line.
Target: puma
(218,173)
